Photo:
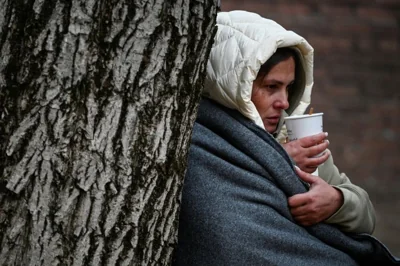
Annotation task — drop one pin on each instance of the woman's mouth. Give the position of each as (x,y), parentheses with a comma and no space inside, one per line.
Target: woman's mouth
(273,119)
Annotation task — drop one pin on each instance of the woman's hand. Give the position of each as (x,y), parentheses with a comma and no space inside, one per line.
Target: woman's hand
(316,205)
(303,151)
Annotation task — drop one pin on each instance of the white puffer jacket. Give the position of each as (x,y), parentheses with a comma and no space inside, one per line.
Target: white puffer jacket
(244,41)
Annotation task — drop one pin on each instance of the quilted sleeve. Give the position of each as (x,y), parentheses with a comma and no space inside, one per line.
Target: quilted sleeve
(357,214)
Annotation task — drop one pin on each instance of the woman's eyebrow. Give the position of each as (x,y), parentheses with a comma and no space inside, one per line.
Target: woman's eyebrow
(278,81)
(274,81)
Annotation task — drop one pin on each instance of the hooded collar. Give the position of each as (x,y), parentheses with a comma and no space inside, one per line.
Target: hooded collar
(244,41)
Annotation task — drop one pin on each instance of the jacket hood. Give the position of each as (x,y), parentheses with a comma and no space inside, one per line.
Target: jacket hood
(244,41)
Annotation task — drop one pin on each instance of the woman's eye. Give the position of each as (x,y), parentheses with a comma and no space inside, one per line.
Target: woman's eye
(272,87)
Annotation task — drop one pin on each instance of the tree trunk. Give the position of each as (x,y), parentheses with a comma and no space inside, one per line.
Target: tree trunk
(97,103)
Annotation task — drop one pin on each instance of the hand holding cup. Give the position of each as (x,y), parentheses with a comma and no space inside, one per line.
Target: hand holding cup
(309,152)
(307,141)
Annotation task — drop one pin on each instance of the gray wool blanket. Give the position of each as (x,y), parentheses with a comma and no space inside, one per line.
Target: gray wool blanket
(234,203)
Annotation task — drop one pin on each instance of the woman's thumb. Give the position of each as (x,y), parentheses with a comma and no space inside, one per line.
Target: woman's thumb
(306,177)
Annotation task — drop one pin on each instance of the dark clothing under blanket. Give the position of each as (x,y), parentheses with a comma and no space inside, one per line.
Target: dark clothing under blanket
(234,203)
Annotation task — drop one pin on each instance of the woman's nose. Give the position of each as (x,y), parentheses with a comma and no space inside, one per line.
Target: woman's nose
(282,102)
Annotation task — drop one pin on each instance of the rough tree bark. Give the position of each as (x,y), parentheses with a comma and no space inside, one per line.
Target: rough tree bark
(97,102)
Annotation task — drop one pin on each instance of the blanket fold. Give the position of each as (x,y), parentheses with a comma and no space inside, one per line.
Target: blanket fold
(234,207)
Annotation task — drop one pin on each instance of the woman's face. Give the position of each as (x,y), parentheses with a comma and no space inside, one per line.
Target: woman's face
(270,93)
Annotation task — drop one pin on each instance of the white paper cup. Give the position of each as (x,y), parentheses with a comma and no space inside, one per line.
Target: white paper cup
(301,126)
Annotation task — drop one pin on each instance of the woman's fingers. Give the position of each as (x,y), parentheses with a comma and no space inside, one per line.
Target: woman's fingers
(311,164)
(317,149)
(304,151)
(313,140)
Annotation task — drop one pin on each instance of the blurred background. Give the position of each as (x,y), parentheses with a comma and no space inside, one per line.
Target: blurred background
(357,87)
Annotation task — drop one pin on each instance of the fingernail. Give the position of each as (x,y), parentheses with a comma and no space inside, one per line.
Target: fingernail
(296,167)
(326,134)
(327,141)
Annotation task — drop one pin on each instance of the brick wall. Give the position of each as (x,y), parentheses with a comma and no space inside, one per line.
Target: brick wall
(357,86)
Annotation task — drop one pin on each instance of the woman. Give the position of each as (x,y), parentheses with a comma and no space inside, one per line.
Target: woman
(341,203)
(242,202)
(275,81)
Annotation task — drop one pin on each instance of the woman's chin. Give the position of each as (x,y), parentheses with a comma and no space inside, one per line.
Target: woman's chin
(270,128)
